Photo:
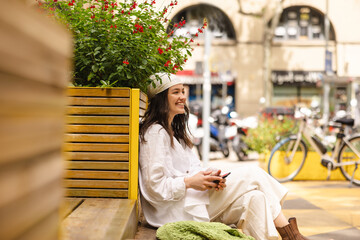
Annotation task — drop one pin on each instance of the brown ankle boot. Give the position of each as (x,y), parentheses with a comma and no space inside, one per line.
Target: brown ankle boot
(291,231)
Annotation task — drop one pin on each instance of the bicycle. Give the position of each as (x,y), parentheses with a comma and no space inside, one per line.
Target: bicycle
(289,154)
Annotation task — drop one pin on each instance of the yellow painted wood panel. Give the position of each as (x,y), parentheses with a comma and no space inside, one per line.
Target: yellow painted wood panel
(88,174)
(91,183)
(109,193)
(97,120)
(85,110)
(98,92)
(96,165)
(88,101)
(96,147)
(97,128)
(21,215)
(100,138)
(134,144)
(26,177)
(96,156)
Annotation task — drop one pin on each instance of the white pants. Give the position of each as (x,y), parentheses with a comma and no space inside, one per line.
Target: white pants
(251,201)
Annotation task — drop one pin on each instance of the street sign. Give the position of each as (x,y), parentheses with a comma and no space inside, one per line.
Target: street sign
(328,63)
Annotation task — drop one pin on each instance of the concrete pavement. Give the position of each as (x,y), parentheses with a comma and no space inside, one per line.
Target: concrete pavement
(325,210)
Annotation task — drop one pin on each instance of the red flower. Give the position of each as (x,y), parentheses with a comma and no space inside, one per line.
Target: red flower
(122,12)
(92,16)
(126,62)
(150,27)
(160,51)
(167,63)
(71,4)
(55,1)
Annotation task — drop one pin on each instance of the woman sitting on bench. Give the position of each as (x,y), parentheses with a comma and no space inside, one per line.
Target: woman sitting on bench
(174,186)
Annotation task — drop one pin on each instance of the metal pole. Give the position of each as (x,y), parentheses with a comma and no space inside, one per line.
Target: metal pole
(326,88)
(206,100)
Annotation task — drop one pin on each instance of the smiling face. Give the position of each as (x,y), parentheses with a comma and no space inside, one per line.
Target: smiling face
(176,100)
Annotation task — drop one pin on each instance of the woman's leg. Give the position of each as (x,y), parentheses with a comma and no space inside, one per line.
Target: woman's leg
(280,220)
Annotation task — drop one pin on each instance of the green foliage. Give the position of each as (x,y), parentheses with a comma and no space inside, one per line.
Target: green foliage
(120,43)
(263,138)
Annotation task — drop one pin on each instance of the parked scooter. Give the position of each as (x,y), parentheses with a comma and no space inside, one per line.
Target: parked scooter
(241,126)
(218,140)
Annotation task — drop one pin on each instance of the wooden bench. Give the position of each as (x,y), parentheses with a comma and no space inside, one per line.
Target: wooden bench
(101,163)
(98,218)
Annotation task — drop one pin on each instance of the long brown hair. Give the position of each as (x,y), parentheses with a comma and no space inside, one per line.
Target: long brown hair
(158,112)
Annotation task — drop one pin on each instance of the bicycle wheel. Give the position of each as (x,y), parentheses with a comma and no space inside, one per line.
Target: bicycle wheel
(347,155)
(283,164)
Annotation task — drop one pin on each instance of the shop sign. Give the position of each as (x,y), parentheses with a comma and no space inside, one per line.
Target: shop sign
(296,78)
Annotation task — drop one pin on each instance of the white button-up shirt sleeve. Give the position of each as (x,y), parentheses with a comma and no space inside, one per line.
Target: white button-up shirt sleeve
(161,180)
(162,169)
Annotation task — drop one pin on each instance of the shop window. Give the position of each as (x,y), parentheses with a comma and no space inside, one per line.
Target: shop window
(302,23)
(219,24)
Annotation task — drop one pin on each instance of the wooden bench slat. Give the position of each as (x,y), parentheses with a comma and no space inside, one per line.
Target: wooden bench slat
(100,138)
(97,120)
(110,193)
(96,156)
(92,165)
(94,92)
(97,128)
(92,174)
(142,112)
(88,101)
(30,146)
(142,105)
(30,175)
(68,205)
(23,214)
(46,229)
(101,219)
(143,96)
(96,147)
(85,110)
(78,183)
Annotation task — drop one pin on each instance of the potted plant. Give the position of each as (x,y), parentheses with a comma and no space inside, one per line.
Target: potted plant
(118,45)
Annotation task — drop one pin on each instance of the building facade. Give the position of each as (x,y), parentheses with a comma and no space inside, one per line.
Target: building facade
(304,52)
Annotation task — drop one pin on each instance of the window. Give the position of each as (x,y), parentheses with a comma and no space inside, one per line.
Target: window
(219,23)
(301,23)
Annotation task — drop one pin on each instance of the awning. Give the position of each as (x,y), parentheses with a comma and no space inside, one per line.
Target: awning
(190,77)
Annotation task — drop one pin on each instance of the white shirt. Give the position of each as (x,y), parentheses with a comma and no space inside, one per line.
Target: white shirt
(162,169)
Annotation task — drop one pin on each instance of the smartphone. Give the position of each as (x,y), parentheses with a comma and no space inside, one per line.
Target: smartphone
(223,176)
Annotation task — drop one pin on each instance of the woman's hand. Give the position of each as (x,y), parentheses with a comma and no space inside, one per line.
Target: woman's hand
(204,180)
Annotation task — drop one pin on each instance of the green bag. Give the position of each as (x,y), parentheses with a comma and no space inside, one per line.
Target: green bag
(191,230)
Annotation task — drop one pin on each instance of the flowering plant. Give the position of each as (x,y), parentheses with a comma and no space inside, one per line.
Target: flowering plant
(121,43)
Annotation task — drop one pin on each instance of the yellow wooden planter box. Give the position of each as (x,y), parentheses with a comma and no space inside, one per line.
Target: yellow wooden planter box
(312,169)
(101,142)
